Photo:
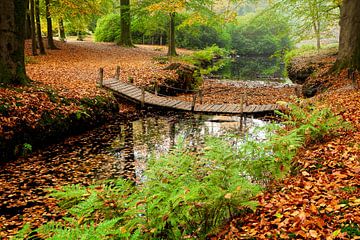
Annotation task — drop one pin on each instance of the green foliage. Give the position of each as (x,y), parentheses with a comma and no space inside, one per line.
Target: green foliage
(200,36)
(309,50)
(108,28)
(27,148)
(23,233)
(262,35)
(188,194)
(314,124)
(351,229)
(310,19)
(209,60)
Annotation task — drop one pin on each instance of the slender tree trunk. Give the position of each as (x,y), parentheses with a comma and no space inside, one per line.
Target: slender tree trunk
(80,36)
(61,30)
(316,26)
(172,48)
(38,28)
(27,21)
(51,44)
(349,47)
(125,23)
(12,32)
(33,35)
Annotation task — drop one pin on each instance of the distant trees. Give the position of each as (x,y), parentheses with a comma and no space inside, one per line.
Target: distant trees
(310,18)
(12,31)
(50,39)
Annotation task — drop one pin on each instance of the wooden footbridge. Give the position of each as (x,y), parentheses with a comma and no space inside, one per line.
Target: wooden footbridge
(144,98)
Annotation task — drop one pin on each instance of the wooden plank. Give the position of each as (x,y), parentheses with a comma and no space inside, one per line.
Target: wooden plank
(176,103)
(122,88)
(160,102)
(114,85)
(130,92)
(224,108)
(170,103)
(184,106)
(252,108)
(258,109)
(231,108)
(129,88)
(216,108)
(200,108)
(209,107)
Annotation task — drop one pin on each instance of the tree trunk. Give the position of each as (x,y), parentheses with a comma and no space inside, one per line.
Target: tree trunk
(33,34)
(349,47)
(27,21)
(80,36)
(12,32)
(125,23)
(172,48)
(38,28)
(61,30)
(51,44)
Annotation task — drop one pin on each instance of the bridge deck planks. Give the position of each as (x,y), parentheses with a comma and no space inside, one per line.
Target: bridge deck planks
(134,93)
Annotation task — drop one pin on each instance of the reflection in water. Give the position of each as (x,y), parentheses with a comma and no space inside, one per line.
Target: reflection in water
(243,67)
(155,136)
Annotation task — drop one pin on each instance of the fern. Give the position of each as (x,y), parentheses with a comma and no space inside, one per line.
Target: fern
(189,194)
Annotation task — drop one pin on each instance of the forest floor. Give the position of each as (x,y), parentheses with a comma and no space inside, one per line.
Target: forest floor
(322,201)
(72,73)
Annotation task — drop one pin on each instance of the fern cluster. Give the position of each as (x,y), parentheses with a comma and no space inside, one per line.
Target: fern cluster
(187,194)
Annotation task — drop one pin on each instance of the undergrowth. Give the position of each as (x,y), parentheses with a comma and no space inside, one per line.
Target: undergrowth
(188,194)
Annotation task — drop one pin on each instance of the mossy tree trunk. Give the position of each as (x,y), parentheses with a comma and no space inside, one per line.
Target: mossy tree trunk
(50,39)
(349,47)
(38,28)
(61,30)
(172,47)
(12,32)
(125,24)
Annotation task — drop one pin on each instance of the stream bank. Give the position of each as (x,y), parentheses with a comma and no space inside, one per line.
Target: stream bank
(52,126)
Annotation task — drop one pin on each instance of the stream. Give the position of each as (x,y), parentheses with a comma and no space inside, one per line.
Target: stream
(117,149)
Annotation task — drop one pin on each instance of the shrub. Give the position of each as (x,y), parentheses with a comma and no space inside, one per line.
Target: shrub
(108,28)
(211,59)
(199,37)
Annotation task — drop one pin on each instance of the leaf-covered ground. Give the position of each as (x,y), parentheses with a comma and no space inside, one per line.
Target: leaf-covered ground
(322,201)
(72,73)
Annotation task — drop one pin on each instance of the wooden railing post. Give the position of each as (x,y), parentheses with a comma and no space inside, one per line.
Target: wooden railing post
(101,77)
(242,113)
(201,96)
(142,97)
(117,73)
(193,102)
(156,88)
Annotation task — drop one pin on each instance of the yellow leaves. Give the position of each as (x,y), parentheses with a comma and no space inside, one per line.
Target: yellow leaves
(172,6)
(228,196)
(313,234)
